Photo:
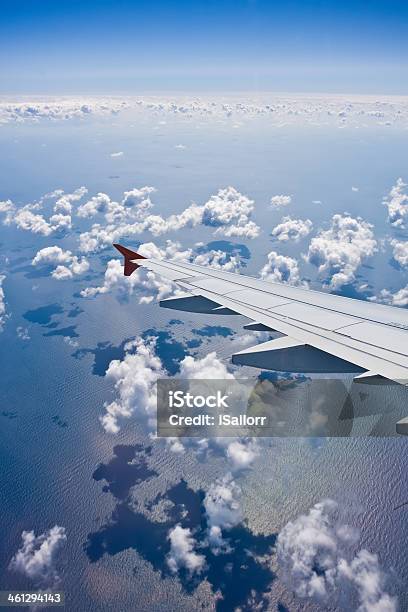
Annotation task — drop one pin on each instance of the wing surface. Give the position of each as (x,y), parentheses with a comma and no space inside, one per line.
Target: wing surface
(327,333)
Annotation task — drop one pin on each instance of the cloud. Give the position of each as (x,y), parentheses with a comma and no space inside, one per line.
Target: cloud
(133,206)
(227,206)
(281,269)
(397,204)
(151,286)
(148,285)
(242,453)
(227,212)
(339,251)
(6,206)
(307,552)
(118,154)
(311,553)
(207,368)
(37,556)
(29,221)
(63,109)
(292,229)
(399,298)
(217,259)
(134,378)
(26,219)
(182,553)
(246,230)
(222,505)
(22,333)
(65,200)
(365,573)
(278,110)
(97,204)
(69,265)
(400,252)
(3,315)
(278,201)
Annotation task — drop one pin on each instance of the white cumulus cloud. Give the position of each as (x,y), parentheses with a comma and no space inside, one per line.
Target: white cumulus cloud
(242,453)
(222,505)
(397,204)
(65,200)
(29,219)
(292,229)
(22,333)
(182,551)
(339,251)
(281,269)
(279,201)
(67,264)
(134,378)
(208,368)
(399,298)
(228,212)
(312,557)
(37,556)
(400,252)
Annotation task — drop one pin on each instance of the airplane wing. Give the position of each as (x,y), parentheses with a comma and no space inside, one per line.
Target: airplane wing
(322,332)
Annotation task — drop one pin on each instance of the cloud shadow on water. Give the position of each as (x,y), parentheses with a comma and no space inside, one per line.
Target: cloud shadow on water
(44,314)
(170,351)
(239,576)
(65,331)
(128,467)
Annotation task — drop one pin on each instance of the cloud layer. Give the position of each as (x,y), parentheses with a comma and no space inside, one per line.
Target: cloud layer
(279,110)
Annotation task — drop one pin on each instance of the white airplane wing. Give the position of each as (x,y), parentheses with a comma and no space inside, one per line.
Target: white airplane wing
(323,332)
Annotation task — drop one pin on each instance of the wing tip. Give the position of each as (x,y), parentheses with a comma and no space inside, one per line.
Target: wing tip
(129,265)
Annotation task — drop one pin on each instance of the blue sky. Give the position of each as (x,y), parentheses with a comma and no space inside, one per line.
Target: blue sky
(225,45)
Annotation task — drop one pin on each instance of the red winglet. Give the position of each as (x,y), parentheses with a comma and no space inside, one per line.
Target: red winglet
(130,266)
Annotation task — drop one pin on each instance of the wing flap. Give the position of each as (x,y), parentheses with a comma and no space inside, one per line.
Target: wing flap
(290,355)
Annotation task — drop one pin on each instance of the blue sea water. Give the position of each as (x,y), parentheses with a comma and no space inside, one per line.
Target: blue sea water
(118,495)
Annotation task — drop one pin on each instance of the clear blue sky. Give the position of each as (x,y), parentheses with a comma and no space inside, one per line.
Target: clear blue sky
(121,46)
